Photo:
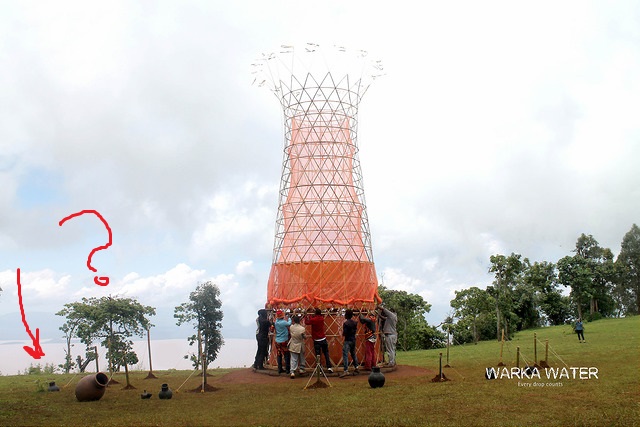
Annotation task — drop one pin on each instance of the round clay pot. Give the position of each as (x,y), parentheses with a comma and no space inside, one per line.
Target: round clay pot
(53,386)
(376,378)
(166,392)
(91,387)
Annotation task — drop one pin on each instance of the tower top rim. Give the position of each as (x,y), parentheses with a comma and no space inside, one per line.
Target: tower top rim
(290,67)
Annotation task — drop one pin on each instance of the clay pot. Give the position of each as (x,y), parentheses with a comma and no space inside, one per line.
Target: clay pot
(376,378)
(53,386)
(166,392)
(91,387)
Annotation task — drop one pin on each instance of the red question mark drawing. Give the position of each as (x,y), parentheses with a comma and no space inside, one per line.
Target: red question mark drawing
(100,281)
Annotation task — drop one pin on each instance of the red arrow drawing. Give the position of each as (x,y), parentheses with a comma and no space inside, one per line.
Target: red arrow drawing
(35,352)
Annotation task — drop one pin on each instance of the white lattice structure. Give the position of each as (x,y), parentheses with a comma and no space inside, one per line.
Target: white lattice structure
(322,251)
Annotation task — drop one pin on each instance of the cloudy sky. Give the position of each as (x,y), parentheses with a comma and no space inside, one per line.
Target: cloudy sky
(499,127)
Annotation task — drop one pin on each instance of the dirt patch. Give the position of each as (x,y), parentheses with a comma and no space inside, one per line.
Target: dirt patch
(248,376)
(317,384)
(440,379)
(207,388)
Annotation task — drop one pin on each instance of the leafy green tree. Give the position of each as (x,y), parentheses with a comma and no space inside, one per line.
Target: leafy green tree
(469,305)
(75,313)
(414,332)
(591,274)
(204,314)
(549,301)
(602,270)
(507,271)
(525,306)
(575,272)
(628,267)
(113,321)
(556,307)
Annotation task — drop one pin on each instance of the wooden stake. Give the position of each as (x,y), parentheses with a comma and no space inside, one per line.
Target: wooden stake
(202,361)
(518,357)
(546,351)
(448,344)
(535,349)
(501,347)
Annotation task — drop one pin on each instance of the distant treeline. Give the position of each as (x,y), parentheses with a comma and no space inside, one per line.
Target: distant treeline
(528,295)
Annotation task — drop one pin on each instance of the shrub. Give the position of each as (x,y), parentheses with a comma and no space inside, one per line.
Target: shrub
(38,369)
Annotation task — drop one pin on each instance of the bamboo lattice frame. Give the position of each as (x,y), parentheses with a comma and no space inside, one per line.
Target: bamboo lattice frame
(322,251)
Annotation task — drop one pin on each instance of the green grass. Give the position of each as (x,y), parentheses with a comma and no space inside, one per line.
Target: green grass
(468,399)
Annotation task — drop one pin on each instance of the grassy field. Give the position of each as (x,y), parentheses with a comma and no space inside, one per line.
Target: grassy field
(613,347)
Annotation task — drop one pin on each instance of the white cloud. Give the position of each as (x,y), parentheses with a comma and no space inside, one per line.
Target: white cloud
(499,127)
(236,218)
(164,289)
(41,290)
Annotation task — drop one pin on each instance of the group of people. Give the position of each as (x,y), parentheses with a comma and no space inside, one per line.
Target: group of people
(290,335)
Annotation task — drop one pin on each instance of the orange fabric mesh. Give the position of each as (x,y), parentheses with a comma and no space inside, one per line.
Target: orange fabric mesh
(320,255)
(323,283)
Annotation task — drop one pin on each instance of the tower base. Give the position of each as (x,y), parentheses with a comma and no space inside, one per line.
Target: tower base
(334,318)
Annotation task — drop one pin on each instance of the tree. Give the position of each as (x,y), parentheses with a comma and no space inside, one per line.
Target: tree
(204,314)
(551,306)
(113,321)
(628,267)
(507,271)
(591,274)
(76,313)
(414,331)
(574,272)
(469,305)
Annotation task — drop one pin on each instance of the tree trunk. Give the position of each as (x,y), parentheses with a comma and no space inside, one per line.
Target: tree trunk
(404,338)
(498,322)
(67,367)
(475,331)
(111,365)
(126,373)
(579,310)
(204,367)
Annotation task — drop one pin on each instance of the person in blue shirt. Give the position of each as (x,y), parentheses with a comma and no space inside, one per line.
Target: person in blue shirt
(580,330)
(282,336)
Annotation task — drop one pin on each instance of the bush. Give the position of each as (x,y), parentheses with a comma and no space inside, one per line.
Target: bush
(47,369)
(595,316)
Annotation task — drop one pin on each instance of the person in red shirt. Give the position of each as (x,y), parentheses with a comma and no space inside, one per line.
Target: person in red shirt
(370,340)
(320,343)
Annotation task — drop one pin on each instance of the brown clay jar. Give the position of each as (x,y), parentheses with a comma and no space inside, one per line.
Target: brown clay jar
(91,387)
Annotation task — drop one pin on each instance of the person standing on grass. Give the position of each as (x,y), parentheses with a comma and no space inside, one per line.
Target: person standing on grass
(320,343)
(349,328)
(370,340)
(580,330)
(263,324)
(390,333)
(282,336)
(296,346)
